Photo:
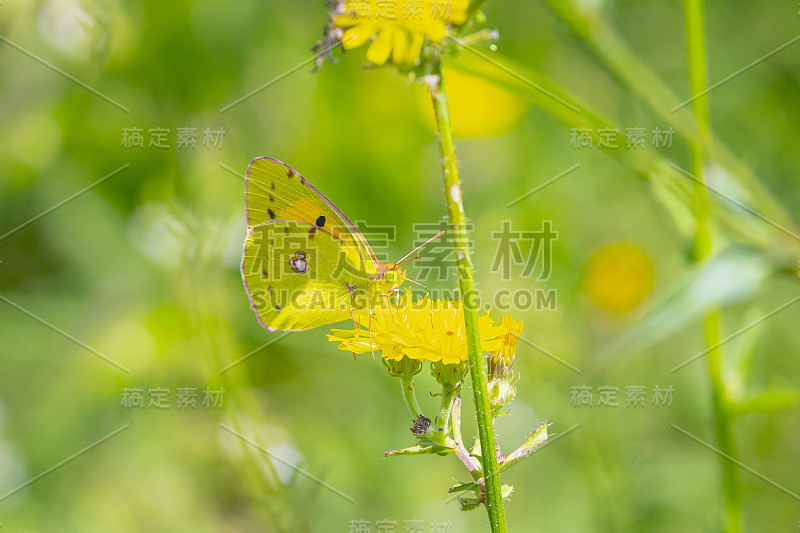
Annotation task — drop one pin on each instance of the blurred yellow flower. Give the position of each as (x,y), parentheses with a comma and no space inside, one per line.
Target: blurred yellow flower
(479,107)
(399,27)
(424,330)
(618,277)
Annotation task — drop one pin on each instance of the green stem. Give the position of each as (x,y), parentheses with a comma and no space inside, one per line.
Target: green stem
(448,397)
(604,41)
(457,224)
(407,382)
(474,7)
(723,425)
(695,43)
(470,462)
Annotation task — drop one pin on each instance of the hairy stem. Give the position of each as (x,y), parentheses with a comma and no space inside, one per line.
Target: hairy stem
(457,223)
(463,454)
(407,382)
(448,396)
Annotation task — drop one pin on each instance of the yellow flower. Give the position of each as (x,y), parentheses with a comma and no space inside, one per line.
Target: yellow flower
(618,277)
(501,378)
(424,330)
(399,27)
(500,360)
(479,107)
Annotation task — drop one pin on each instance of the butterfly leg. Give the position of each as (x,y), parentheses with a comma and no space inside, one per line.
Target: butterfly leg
(389,296)
(370,334)
(355,330)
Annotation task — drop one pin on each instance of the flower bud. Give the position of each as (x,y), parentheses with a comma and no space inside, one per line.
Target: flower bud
(449,376)
(501,378)
(403,367)
(500,361)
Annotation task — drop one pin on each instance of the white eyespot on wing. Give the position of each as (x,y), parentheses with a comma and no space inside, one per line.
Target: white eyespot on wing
(299,263)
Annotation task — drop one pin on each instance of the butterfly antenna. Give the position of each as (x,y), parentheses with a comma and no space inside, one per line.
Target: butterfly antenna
(418,283)
(409,254)
(407,260)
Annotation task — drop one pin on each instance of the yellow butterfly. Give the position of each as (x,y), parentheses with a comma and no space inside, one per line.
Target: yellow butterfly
(305,263)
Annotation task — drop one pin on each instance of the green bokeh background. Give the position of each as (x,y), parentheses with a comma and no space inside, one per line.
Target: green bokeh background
(143,268)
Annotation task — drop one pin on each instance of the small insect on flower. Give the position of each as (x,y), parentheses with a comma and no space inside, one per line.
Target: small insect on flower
(398,28)
(421,425)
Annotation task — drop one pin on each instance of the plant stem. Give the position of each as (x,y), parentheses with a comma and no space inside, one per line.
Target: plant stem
(448,396)
(470,462)
(474,6)
(407,382)
(457,226)
(695,43)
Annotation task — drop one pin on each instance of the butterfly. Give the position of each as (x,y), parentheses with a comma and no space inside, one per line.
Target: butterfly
(305,264)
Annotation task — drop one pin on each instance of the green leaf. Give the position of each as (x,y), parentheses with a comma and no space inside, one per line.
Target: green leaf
(425,448)
(534,440)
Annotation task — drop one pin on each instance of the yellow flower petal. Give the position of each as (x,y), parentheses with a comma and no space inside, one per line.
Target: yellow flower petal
(435,29)
(357,35)
(416,46)
(400,28)
(381,47)
(345,21)
(423,330)
(400,48)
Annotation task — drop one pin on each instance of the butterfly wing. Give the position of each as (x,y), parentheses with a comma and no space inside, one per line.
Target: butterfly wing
(299,276)
(275,191)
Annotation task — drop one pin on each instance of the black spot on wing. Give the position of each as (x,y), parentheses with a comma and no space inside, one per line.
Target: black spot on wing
(271,214)
(320,221)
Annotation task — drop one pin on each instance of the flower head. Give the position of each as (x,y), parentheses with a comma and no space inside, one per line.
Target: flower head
(424,330)
(500,360)
(501,378)
(398,28)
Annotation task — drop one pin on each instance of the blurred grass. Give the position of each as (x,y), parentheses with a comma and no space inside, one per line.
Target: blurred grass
(143,268)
